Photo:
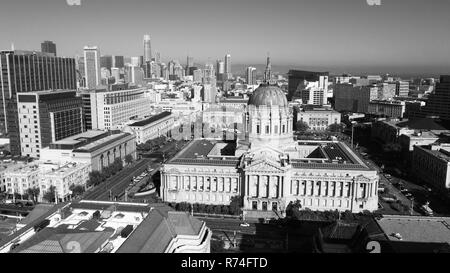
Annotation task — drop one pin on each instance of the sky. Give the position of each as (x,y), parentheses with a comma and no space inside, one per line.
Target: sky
(397,36)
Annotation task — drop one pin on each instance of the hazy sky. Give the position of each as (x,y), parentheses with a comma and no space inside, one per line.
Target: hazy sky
(403,34)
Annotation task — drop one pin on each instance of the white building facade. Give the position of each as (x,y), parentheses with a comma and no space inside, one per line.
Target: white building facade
(270,170)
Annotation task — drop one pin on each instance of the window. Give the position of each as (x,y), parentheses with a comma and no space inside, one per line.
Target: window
(274,206)
(257,129)
(284,129)
(254,205)
(264,205)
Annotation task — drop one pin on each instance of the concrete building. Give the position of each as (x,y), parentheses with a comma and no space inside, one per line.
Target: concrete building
(269,169)
(147,49)
(251,75)
(118,61)
(110,227)
(314,92)
(387,108)
(106,62)
(402,88)
(47,116)
(62,177)
(386,91)
(151,128)
(438,103)
(92,67)
(353,98)
(318,119)
(431,164)
(48,47)
(20,178)
(297,78)
(28,71)
(97,148)
(108,109)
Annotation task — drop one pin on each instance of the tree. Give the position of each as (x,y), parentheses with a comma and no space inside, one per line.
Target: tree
(236,204)
(302,126)
(335,127)
(128,159)
(77,189)
(217,210)
(34,193)
(95,178)
(50,194)
(117,165)
(225,209)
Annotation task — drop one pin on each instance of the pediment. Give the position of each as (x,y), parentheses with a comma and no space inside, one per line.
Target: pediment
(362,178)
(264,166)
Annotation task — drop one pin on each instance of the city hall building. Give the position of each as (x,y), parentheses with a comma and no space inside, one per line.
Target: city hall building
(269,169)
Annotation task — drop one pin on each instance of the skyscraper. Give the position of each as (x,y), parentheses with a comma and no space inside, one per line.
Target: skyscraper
(251,75)
(157,57)
(189,64)
(118,61)
(48,47)
(106,62)
(46,117)
(27,71)
(227,74)
(92,66)
(147,49)
(268,71)
(220,70)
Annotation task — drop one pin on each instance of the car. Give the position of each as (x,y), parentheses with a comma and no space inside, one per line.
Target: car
(388,176)
(404,191)
(397,235)
(245,225)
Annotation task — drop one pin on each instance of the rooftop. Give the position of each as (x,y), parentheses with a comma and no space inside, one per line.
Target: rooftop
(150,120)
(154,227)
(417,228)
(76,139)
(315,155)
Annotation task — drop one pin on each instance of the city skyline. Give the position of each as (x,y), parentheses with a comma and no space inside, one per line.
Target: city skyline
(394,36)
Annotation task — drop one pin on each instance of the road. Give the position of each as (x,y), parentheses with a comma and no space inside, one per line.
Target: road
(117,184)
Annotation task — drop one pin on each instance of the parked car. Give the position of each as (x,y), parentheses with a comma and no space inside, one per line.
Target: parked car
(245,224)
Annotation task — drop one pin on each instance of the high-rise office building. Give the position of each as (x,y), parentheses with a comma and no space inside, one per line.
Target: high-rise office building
(147,49)
(92,66)
(209,75)
(48,47)
(115,73)
(28,71)
(109,109)
(220,70)
(46,117)
(198,75)
(268,71)
(228,63)
(402,88)
(251,75)
(157,57)
(438,103)
(118,61)
(354,98)
(135,61)
(189,64)
(227,74)
(134,75)
(106,62)
(297,79)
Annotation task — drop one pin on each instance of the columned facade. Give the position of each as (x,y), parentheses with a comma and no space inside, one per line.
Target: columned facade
(269,170)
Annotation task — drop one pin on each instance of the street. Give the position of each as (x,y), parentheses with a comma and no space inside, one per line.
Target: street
(117,184)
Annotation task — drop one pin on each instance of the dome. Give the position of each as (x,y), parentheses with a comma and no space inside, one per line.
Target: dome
(268,95)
